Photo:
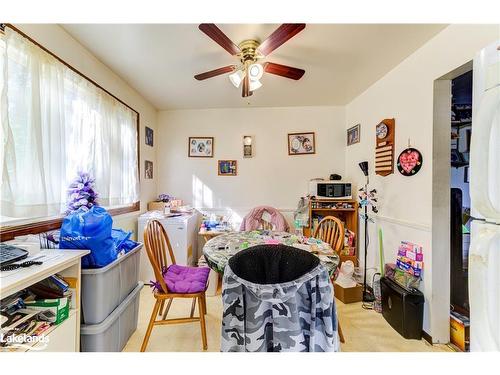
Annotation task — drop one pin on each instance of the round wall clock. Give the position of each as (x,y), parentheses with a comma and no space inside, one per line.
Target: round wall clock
(381,130)
(409,162)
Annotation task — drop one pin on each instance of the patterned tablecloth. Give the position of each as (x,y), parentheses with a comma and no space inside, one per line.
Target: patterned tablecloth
(218,250)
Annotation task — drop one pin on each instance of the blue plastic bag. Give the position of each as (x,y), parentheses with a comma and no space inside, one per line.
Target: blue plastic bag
(129,245)
(92,230)
(123,242)
(119,237)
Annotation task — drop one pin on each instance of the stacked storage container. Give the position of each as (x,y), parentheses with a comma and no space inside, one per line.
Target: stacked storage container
(110,304)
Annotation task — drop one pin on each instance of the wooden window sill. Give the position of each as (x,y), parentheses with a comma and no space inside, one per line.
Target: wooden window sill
(9,232)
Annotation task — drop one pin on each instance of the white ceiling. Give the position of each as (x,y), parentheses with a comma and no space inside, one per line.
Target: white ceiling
(340,60)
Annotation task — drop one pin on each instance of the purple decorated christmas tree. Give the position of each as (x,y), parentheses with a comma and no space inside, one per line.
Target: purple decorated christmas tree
(81,193)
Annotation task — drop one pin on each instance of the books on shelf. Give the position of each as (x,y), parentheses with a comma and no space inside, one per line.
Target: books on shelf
(30,312)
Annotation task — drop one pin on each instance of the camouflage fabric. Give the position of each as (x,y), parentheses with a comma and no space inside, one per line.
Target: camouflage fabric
(297,316)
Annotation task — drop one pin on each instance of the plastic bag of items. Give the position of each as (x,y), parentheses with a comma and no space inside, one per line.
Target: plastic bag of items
(345,277)
(301,214)
(92,229)
(401,277)
(377,293)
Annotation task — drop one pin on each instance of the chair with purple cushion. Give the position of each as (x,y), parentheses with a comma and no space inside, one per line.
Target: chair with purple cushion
(174,281)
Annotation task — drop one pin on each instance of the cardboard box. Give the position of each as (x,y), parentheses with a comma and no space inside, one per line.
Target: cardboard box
(59,308)
(348,295)
(459,331)
(156,206)
(72,288)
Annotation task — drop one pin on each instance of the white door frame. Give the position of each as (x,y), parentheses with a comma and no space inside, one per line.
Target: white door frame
(439,311)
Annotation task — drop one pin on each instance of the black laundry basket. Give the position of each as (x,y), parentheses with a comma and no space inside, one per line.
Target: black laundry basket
(403,309)
(271,264)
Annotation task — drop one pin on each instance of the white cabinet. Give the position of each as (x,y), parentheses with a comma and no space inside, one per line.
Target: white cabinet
(182,232)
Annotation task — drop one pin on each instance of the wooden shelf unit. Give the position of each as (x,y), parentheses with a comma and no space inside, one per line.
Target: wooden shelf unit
(348,215)
(64,337)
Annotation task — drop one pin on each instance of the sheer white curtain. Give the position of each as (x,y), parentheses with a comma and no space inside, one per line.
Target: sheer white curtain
(55,123)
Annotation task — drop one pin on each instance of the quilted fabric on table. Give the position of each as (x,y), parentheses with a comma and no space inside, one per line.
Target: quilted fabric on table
(183,279)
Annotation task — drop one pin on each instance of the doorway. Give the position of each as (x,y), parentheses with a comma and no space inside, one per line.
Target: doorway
(461,130)
(442,171)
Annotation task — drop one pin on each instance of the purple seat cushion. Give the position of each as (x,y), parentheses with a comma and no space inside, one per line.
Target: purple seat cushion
(182,279)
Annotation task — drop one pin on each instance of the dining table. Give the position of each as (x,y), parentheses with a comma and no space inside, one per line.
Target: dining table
(218,250)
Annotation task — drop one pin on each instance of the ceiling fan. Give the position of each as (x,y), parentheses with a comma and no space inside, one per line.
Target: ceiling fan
(248,73)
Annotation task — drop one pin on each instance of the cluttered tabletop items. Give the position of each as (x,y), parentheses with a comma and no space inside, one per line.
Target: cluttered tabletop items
(218,250)
(213,225)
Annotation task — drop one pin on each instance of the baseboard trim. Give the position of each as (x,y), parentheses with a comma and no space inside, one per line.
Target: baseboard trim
(427,337)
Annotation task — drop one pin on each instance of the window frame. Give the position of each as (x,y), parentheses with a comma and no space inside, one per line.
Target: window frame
(8,232)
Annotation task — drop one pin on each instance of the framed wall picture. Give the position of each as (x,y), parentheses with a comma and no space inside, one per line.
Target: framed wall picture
(149,136)
(227,168)
(354,134)
(201,147)
(301,143)
(148,170)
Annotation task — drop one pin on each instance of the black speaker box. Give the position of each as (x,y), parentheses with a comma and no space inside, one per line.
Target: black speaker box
(403,309)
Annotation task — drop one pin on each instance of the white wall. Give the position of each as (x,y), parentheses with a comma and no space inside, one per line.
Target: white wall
(406,93)
(58,41)
(271,177)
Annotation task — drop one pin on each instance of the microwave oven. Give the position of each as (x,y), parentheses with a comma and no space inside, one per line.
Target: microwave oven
(330,189)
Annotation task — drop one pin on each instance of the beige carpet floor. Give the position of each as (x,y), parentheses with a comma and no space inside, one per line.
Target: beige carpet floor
(364,330)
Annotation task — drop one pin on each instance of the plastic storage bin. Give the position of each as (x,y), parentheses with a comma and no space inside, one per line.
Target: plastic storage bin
(103,289)
(113,333)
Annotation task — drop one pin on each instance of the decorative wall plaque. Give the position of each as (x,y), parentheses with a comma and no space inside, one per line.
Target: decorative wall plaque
(384,147)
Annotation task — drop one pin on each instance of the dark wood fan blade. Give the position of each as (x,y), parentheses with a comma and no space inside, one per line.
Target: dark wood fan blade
(284,71)
(280,36)
(215,72)
(219,37)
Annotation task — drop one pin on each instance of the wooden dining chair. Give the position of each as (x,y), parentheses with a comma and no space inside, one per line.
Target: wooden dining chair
(158,248)
(266,225)
(331,230)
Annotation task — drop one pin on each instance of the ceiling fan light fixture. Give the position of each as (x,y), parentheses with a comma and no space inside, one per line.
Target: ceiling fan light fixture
(255,85)
(236,78)
(255,72)
(247,75)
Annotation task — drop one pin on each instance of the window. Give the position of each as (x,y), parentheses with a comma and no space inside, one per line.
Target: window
(55,123)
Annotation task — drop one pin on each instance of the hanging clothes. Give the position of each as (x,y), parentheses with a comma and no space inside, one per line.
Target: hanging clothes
(253,220)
